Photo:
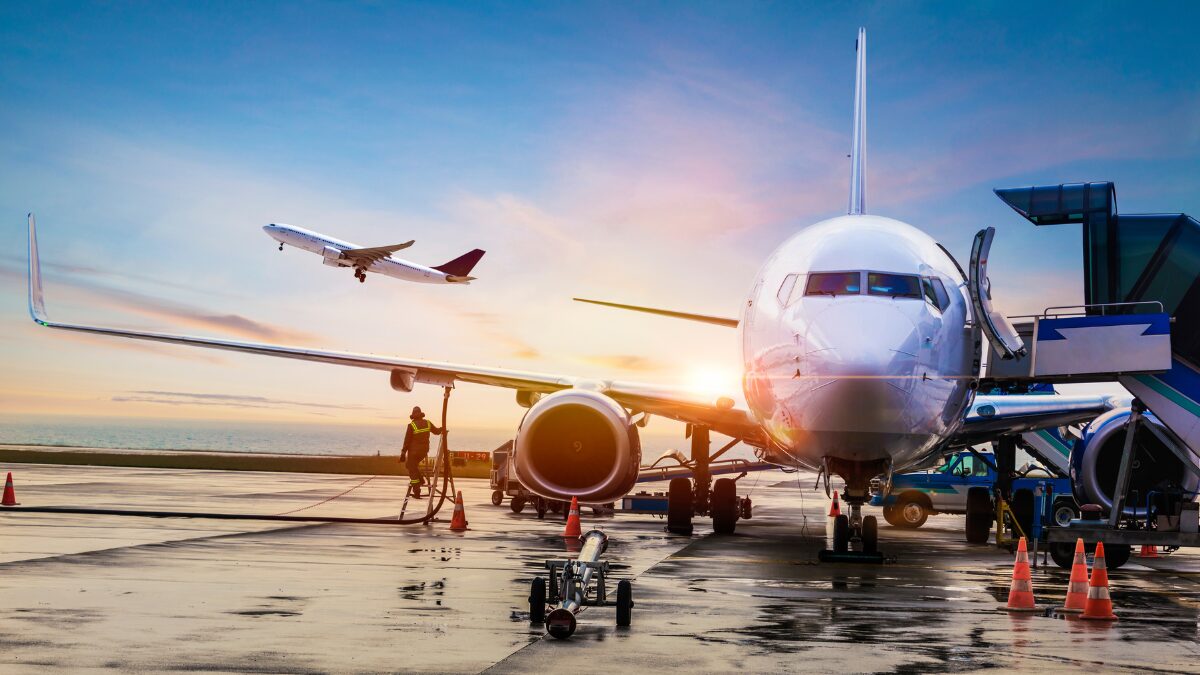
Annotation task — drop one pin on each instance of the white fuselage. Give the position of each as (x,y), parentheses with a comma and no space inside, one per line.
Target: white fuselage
(330,249)
(869,373)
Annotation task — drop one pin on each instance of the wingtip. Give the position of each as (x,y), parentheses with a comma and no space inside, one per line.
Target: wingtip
(37,307)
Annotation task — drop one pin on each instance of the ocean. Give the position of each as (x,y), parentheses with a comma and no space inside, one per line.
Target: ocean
(263,437)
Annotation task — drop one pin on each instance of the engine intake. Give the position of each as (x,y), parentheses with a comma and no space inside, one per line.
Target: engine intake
(578,443)
(1096,461)
(333,257)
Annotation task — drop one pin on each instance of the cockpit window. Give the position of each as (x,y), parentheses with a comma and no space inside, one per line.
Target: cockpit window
(833,283)
(787,289)
(935,293)
(895,285)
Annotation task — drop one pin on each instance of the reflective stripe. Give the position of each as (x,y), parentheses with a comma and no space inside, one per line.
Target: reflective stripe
(413,424)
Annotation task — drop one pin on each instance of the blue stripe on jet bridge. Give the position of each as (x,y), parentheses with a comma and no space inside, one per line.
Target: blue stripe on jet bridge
(1159,324)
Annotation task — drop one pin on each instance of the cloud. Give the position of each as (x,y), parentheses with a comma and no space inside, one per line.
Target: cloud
(158,308)
(492,325)
(625,362)
(184,398)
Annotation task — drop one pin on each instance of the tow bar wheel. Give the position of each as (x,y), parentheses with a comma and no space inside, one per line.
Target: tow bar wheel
(624,602)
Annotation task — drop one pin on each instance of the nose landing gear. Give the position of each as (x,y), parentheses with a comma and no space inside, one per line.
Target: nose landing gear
(855,528)
(281,246)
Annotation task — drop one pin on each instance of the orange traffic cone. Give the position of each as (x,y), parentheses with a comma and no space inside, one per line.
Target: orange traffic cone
(834,509)
(1099,603)
(572,528)
(459,522)
(1077,587)
(10,496)
(1020,592)
(1148,551)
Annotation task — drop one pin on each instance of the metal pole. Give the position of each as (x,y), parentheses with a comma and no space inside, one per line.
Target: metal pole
(1118,499)
(700,472)
(576,575)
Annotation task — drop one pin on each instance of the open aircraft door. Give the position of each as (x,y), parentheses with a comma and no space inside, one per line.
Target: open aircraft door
(1003,336)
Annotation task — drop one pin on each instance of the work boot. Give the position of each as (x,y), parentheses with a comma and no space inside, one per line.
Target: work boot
(416,492)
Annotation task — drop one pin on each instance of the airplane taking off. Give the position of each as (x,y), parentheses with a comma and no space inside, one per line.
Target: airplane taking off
(861,342)
(338,253)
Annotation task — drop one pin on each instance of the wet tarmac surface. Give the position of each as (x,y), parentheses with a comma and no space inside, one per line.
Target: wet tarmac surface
(108,592)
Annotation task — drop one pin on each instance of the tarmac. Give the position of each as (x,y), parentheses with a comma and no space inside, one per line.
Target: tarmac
(100,592)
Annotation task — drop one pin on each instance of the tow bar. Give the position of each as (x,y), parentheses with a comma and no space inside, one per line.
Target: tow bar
(575,584)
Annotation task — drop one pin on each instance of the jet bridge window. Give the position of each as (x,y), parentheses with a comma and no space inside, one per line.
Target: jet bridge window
(895,285)
(833,283)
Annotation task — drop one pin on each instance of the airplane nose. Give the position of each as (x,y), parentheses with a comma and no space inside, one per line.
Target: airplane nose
(861,362)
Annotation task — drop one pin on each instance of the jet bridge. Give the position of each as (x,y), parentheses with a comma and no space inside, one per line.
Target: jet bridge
(1140,321)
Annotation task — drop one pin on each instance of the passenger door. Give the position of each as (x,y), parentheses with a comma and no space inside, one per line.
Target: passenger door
(995,326)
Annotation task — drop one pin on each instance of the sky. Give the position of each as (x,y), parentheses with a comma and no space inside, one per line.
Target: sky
(651,153)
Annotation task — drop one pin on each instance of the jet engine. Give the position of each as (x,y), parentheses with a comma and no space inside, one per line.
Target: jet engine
(577,443)
(333,257)
(1096,460)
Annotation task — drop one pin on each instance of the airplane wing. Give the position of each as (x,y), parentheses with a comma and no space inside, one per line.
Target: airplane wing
(689,316)
(717,413)
(369,256)
(992,416)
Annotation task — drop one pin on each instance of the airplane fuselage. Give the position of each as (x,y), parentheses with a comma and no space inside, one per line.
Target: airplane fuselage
(858,345)
(330,248)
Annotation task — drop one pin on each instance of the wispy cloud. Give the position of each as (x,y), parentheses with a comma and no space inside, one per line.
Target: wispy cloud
(492,326)
(158,308)
(625,362)
(185,398)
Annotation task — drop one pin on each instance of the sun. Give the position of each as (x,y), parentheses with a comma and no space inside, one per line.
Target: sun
(710,379)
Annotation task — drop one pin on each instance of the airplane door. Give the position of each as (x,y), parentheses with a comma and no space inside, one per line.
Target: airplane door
(996,327)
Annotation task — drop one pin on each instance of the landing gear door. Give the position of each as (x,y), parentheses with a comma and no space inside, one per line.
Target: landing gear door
(1004,338)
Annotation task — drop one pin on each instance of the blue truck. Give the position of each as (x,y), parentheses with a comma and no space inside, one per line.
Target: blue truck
(943,489)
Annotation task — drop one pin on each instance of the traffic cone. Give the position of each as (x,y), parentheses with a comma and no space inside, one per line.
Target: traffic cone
(459,522)
(572,528)
(1020,592)
(10,496)
(1148,551)
(1099,603)
(1077,587)
(834,509)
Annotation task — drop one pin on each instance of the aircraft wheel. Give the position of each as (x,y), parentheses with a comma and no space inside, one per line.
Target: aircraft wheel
(537,601)
(362,279)
(517,504)
(724,506)
(870,534)
(624,602)
(841,534)
(497,498)
(281,247)
(679,506)
(541,506)
(979,515)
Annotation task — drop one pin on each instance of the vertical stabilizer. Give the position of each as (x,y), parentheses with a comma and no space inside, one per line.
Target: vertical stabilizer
(858,151)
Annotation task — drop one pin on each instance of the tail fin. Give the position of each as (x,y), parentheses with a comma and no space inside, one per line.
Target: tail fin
(462,265)
(858,150)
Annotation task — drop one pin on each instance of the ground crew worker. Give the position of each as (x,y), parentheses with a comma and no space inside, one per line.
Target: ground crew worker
(416,447)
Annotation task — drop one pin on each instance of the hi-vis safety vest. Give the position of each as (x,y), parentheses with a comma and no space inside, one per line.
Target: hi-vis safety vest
(416,430)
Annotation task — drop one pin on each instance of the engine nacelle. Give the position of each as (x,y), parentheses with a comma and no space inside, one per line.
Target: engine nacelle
(333,257)
(577,443)
(1096,460)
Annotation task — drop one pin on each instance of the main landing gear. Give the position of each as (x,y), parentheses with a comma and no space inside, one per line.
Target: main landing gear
(701,496)
(360,274)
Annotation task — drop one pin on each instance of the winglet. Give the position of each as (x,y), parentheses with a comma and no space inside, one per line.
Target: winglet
(858,148)
(37,308)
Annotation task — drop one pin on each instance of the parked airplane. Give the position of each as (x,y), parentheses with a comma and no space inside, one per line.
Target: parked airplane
(338,253)
(861,340)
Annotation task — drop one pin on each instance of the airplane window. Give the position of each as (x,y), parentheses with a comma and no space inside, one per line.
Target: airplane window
(935,293)
(895,285)
(785,289)
(833,283)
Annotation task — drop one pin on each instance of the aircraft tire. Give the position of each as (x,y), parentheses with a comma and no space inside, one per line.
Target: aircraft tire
(870,534)
(679,506)
(724,506)
(624,602)
(517,504)
(841,534)
(979,515)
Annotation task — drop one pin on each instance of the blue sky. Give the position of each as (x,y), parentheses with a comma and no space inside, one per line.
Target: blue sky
(645,152)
